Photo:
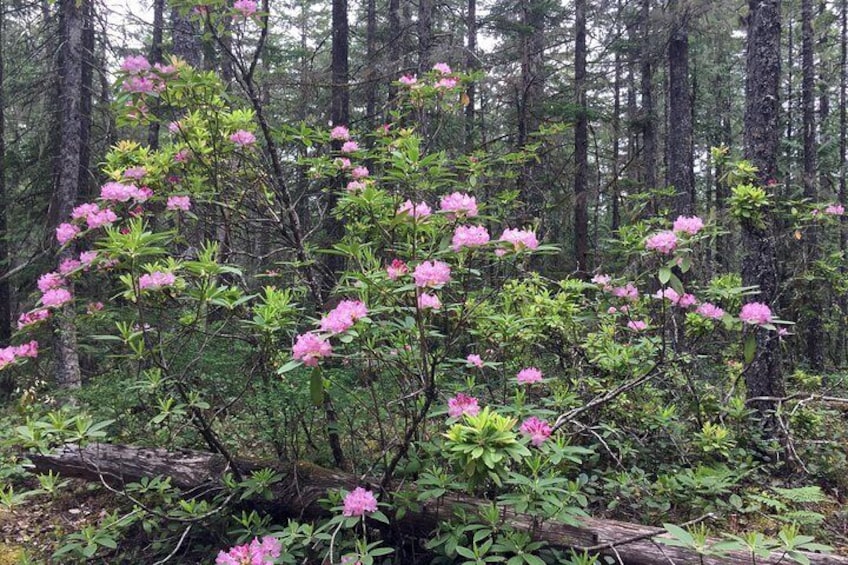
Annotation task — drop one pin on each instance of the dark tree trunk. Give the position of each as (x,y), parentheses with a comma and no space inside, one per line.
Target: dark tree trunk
(184,39)
(679,148)
(581,142)
(470,65)
(371,58)
(616,131)
(649,132)
(530,99)
(814,332)
(72,91)
(156,57)
(762,136)
(395,47)
(425,34)
(843,149)
(5,259)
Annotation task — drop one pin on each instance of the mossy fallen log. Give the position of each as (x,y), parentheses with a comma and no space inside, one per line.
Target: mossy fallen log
(304,484)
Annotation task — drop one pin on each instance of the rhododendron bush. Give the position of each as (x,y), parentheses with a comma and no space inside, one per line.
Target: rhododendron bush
(439,360)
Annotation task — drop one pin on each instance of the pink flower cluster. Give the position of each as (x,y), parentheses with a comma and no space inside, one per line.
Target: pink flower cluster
(603,281)
(462,404)
(156,280)
(32,317)
(415,211)
(529,375)
(682,300)
(432,274)
(538,430)
(140,78)
(709,310)
(118,192)
(66,232)
(474,360)
(342,317)
(427,301)
(55,297)
(310,347)
(243,138)
(179,203)
(637,325)
(350,147)
(340,133)
(245,7)
(469,236)
(9,355)
(520,240)
(397,269)
(408,80)
(257,552)
(627,292)
(358,502)
(756,313)
(459,205)
(835,210)
(664,242)
(688,224)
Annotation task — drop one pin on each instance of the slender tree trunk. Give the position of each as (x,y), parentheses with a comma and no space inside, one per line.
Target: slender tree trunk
(649,133)
(72,90)
(679,144)
(5,259)
(814,331)
(371,56)
(156,57)
(425,34)
(581,142)
(762,135)
(530,98)
(184,39)
(395,47)
(470,65)
(616,134)
(85,189)
(843,149)
(790,101)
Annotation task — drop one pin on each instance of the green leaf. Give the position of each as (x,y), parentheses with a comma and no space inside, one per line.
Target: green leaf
(750,348)
(288,367)
(664,275)
(680,534)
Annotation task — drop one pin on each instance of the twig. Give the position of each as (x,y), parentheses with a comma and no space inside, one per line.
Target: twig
(177,548)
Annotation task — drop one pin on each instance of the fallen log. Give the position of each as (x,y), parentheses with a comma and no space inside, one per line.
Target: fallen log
(304,484)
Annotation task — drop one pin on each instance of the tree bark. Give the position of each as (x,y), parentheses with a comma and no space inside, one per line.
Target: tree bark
(425,34)
(5,259)
(762,135)
(470,65)
(304,484)
(679,148)
(581,143)
(649,131)
(156,57)
(184,39)
(843,149)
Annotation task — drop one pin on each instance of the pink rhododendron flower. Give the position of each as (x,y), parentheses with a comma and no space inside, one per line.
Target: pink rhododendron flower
(359,172)
(87,258)
(99,219)
(66,232)
(627,292)
(665,242)
(7,356)
(342,162)
(755,313)
(94,307)
(355,186)
(474,360)
(27,350)
(709,310)
(396,269)
(156,280)
(243,138)
(84,210)
(637,325)
(174,127)
(358,502)
(432,274)
(602,281)
(687,300)
(688,224)
(139,85)
(118,192)
(442,68)
(340,133)
(144,194)
(835,210)
(258,552)
(448,82)
(416,211)
(69,265)
(429,301)
(135,65)
(459,205)
(32,317)
(469,236)
(538,430)
(55,297)
(135,173)
(311,347)
(350,147)
(49,281)
(246,7)
(179,203)
(182,156)
(529,375)
(520,239)
(408,80)
(462,404)
(342,317)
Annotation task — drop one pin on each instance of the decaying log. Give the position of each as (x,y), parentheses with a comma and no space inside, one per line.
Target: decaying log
(298,495)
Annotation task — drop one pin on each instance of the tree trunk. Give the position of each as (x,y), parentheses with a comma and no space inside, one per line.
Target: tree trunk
(5,259)
(372,72)
(762,135)
(615,213)
(649,132)
(679,148)
(72,91)
(814,332)
(581,143)
(299,494)
(425,34)
(184,39)
(156,57)
(843,150)
(470,65)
